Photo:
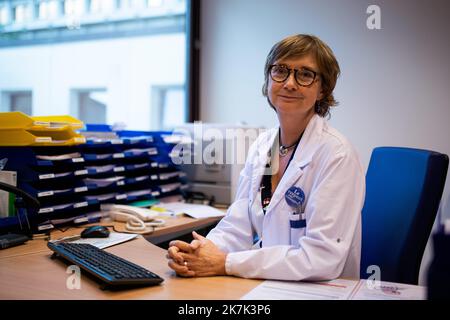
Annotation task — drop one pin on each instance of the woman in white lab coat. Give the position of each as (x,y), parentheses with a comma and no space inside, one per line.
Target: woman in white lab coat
(297,212)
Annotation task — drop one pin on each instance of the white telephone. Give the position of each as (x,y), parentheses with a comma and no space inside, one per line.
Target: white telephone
(137,219)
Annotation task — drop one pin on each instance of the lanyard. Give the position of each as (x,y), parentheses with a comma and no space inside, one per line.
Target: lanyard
(266,182)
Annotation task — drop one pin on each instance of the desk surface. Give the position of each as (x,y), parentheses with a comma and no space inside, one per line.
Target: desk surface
(36,276)
(172,229)
(27,272)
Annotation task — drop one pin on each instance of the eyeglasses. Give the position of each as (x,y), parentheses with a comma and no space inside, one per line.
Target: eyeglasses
(304,77)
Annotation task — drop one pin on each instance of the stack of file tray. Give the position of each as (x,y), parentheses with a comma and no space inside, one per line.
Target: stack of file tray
(71,182)
(19,129)
(54,176)
(131,166)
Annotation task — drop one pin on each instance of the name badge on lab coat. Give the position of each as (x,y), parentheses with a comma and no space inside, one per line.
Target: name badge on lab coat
(295,197)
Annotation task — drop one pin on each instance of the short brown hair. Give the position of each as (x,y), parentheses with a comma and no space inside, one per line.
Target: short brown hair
(300,45)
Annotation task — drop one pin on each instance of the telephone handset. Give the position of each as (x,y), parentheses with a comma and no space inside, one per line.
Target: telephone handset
(137,219)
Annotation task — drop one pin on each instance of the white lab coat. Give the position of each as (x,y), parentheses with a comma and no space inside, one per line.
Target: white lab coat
(327,168)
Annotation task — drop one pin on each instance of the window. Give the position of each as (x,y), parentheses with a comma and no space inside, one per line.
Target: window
(17,101)
(53,9)
(50,9)
(103,67)
(74,7)
(172,108)
(20,13)
(167,107)
(43,10)
(4,18)
(89,105)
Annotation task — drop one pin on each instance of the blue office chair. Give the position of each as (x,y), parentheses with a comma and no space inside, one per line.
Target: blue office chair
(403,190)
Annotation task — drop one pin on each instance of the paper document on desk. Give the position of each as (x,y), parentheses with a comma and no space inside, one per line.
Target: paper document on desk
(113,239)
(370,290)
(338,289)
(196,211)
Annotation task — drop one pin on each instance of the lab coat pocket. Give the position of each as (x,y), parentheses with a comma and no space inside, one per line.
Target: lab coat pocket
(297,226)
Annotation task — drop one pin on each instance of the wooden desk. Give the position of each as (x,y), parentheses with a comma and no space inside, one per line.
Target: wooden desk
(177,227)
(174,228)
(30,273)
(36,276)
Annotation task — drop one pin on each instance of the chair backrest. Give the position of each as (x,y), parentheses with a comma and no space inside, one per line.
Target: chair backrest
(403,189)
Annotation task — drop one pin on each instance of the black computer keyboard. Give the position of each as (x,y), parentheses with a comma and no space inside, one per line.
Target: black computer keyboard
(107,267)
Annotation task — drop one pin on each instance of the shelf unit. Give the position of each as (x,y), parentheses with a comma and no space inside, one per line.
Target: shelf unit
(71,182)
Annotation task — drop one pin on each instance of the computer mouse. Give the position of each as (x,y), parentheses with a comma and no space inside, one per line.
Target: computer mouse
(95,232)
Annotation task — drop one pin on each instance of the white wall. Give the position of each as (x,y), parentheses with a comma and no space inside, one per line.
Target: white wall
(394,88)
(125,67)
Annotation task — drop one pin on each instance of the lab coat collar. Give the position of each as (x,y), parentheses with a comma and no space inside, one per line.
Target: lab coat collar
(302,157)
(309,142)
(260,161)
